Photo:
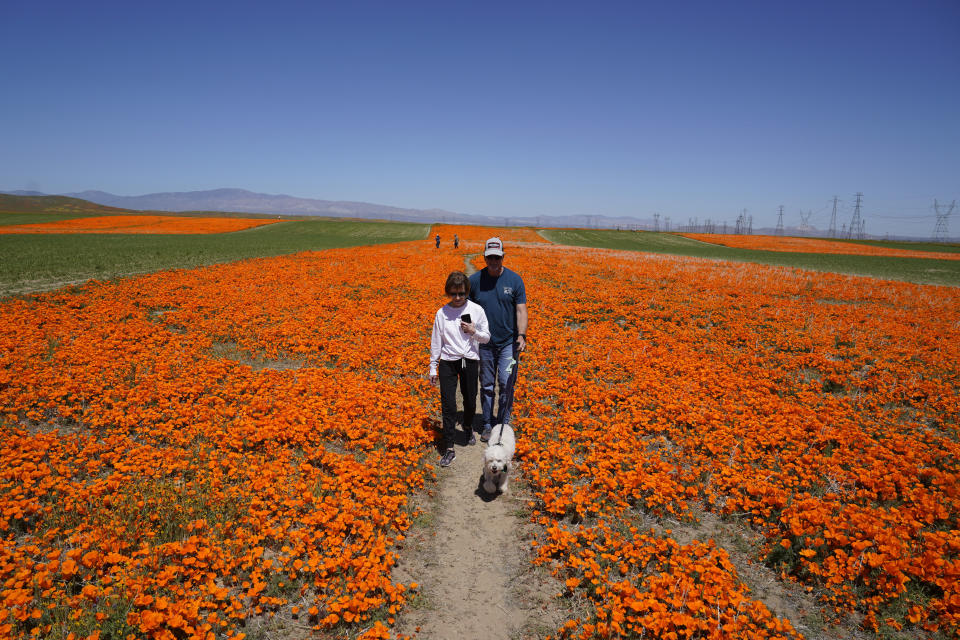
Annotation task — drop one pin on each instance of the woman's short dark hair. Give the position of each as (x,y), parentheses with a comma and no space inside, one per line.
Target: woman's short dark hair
(457,279)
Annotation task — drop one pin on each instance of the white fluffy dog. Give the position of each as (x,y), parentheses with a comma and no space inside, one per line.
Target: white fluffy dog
(498,459)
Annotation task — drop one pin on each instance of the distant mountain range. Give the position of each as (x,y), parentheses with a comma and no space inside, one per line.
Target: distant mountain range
(243,201)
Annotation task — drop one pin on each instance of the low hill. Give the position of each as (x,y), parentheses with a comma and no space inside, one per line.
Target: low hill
(53,204)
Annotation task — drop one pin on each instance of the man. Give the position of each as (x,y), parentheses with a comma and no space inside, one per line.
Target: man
(501,293)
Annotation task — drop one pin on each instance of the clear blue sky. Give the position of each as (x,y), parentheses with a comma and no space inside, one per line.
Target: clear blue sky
(691,109)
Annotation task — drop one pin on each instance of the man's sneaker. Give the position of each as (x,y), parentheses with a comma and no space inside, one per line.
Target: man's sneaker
(448,458)
(485,436)
(471,438)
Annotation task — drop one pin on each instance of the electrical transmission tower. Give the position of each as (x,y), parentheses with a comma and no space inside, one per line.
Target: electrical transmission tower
(856,225)
(779,230)
(833,219)
(940,231)
(656,222)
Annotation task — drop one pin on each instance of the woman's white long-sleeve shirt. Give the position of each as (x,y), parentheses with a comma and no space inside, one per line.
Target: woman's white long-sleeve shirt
(450,342)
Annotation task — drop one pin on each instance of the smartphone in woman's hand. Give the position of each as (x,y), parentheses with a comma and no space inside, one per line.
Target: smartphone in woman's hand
(465,318)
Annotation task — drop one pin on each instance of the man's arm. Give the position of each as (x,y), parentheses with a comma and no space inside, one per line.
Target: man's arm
(522,326)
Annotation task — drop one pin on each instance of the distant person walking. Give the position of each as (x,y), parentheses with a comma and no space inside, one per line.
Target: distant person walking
(438,240)
(501,294)
(459,329)
(456,241)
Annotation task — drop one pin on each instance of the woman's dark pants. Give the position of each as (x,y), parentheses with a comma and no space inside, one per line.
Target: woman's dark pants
(449,372)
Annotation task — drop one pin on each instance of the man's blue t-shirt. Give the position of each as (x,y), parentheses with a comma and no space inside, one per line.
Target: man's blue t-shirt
(499,298)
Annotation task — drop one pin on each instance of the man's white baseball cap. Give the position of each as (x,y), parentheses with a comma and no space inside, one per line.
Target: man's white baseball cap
(494,247)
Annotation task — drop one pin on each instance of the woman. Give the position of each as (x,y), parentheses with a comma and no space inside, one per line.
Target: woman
(459,328)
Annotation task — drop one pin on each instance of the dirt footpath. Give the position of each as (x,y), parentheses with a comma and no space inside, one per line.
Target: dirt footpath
(472,560)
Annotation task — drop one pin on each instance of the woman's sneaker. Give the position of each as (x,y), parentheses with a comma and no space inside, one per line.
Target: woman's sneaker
(448,458)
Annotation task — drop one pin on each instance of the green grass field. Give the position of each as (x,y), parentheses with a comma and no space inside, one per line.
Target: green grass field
(40,262)
(919,270)
(912,246)
(10,219)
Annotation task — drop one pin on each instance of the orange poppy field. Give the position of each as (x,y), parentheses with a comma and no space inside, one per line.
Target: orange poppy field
(140,224)
(814,245)
(190,452)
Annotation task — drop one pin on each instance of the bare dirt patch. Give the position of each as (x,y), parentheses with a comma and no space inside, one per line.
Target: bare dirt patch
(231,351)
(785,599)
(40,285)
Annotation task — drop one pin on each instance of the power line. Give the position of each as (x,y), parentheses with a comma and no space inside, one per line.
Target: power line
(882,217)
